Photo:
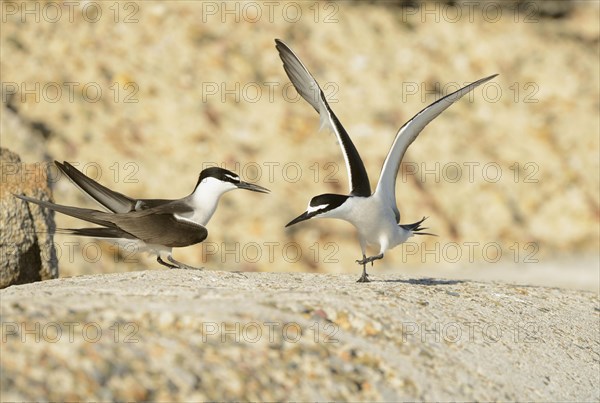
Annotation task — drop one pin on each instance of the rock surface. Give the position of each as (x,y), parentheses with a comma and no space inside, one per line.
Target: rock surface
(26,241)
(201,335)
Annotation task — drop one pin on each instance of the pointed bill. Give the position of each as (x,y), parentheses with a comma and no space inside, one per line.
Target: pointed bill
(302,217)
(252,187)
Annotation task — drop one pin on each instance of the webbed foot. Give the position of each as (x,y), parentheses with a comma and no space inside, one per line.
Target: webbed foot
(179,265)
(365,277)
(170,266)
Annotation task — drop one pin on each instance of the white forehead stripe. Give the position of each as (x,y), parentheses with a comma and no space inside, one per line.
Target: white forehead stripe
(311,209)
(235,178)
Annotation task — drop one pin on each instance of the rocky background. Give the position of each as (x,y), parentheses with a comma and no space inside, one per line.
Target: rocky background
(143,95)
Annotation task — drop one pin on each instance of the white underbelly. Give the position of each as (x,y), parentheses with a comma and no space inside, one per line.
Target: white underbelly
(376,223)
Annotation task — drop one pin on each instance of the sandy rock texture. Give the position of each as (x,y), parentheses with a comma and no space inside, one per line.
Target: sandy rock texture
(27,252)
(208,335)
(143,95)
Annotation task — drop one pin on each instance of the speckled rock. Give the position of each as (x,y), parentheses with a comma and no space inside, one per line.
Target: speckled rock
(175,335)
(26,240)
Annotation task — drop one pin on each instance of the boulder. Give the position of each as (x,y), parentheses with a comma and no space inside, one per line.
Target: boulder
(26,241)
(190,335)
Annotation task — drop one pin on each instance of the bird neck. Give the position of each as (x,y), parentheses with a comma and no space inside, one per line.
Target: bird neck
(205,199)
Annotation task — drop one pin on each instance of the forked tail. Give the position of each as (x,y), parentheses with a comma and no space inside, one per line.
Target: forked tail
(100,232)
(416,228)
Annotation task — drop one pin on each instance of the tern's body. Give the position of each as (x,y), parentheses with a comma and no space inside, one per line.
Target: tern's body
(374,214)
(155,224)
(374,221)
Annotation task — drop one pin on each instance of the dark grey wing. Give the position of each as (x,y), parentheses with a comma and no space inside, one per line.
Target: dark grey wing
(309,89)
(97,232)
(113,201)
(162,229)
(160,225)
(144,204)
(157,206)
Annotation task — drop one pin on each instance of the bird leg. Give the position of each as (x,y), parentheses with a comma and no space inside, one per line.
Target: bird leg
(181,265)
(170,266)
(365,277)
(373,258)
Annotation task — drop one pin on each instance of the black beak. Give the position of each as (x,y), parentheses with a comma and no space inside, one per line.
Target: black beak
(302,217)
(252,187)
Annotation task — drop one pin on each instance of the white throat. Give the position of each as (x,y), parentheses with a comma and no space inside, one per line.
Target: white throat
(206,197)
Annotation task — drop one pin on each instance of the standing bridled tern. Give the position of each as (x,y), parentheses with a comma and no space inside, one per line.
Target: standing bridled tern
(375,215)
(158,224)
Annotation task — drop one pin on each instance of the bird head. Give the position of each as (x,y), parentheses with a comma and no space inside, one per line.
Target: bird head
(222,180)
(321,206)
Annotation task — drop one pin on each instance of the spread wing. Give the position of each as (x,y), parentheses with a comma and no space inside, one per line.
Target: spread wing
(407,134)
(309,89)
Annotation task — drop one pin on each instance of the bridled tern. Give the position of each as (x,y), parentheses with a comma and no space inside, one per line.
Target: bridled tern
(158,224)
(375,215)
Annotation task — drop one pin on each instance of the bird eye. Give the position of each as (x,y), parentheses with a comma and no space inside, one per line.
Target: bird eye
(235,179)
(312,209)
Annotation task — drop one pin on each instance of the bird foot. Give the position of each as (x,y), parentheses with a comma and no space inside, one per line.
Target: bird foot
(170,266)
(369,259)
(183,265)
(364,278)
(176,264)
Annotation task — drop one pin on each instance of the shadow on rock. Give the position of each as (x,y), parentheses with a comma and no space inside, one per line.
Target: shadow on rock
(426,281)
